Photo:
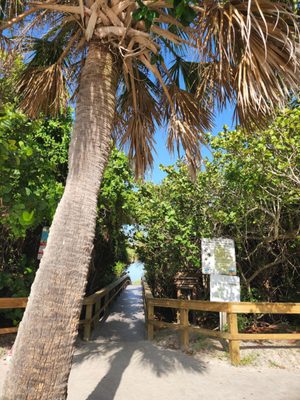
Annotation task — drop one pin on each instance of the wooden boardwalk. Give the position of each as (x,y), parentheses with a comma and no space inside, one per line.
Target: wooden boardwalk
(120,364)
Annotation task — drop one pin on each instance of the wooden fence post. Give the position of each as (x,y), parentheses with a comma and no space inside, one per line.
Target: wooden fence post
(88,325)
(234,345)
(184,333)
(150,317)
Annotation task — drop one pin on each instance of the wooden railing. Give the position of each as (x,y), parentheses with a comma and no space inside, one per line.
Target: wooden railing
(11,302)
(232,309)
(94,306)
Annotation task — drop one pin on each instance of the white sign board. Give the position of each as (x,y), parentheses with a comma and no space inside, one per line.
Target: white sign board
(218,256)
(224,288)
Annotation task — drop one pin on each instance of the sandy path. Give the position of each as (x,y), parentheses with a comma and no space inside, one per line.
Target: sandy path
(119,364)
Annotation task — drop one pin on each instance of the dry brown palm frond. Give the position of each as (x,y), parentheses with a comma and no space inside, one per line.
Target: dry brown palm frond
(215,84)
(136,119)
(43,90)
(187,125)
(253,47)
(139,137)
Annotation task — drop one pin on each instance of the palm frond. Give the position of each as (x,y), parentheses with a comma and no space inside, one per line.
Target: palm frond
(11,8)
(187,125)
(188,71)
(243,52)
(253,48)
(43,85)
(215,84)
(138,114)
(43,90)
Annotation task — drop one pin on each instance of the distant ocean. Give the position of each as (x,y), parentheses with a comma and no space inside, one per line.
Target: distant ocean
(136,271)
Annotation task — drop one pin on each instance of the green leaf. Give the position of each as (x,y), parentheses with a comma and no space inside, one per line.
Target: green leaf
(27,216)
(138,14)
(188,15)
(29,151)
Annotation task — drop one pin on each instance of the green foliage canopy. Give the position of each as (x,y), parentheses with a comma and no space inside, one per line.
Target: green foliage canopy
(249,191)
(33,162)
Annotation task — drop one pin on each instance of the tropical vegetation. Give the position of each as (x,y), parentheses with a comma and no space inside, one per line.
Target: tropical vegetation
(249,191)
(132,60)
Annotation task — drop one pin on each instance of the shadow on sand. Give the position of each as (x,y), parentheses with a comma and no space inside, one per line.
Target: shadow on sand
(120,337)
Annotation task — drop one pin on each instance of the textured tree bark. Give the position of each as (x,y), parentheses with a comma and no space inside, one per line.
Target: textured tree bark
(43,351)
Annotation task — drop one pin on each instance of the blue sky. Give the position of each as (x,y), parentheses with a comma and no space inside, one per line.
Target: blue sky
(163,156)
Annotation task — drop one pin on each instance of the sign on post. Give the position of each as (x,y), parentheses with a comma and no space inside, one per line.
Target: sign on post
(43,242)
(218,260)
(218,256)
(225,288)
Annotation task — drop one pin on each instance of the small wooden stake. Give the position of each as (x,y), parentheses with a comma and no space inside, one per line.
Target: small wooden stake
(184,334)
(223,321)
(234,345)
(150,327)
(88,325)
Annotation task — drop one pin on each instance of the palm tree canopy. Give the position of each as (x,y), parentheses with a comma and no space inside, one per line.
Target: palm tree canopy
(179,61)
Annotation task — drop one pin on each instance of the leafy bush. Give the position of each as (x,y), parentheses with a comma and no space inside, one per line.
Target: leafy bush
(33,163)
(119,268)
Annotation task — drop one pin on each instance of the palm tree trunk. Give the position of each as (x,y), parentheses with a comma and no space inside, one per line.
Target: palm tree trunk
(43,350)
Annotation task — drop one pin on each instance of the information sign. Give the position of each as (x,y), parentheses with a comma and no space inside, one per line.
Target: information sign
(224,288)
(218,256)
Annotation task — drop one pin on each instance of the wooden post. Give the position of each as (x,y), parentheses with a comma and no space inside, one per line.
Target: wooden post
(223,321)
(88,325)
(150,317)
(184,334)
(234,345)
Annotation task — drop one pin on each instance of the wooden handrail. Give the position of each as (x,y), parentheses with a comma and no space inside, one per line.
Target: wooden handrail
(102,292)
(232,309)
(13,302)
(237,308)
(92,305)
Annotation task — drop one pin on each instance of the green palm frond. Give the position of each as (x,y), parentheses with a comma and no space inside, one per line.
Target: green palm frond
(188,71)
(47,50)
